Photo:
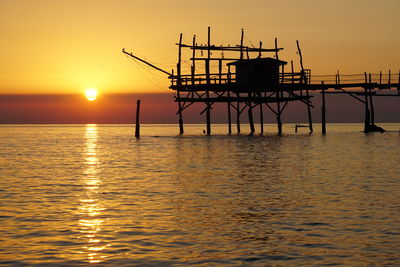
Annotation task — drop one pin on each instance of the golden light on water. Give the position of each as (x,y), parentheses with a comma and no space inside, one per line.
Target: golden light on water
(90,207)
(91,94)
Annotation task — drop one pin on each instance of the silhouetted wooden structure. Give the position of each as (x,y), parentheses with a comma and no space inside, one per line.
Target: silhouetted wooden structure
(247,78)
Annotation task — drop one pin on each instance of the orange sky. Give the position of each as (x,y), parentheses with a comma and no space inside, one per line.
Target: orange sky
(55,46)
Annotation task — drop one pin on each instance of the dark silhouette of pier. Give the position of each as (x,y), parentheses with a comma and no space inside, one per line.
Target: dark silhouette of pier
(247,79)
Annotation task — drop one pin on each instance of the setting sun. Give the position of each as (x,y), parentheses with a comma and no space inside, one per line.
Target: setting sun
(91,94)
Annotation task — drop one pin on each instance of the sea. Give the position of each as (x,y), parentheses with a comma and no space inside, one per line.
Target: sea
(79,195)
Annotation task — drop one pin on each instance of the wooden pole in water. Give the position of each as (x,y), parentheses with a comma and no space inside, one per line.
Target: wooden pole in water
(323,109)
(303,78)
(372,121)
(238,94)
(278,104)
(238,115)
(229,102)
(367,115)
(179,83)
(278,114)
(251,121)
(137,129)
(208,113)
(398,84)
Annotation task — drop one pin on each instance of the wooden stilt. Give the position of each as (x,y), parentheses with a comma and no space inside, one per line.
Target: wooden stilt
(229,115)
(208,111)
(304,80)
(251,121)
(371,104)
(310,124)
(228,94)
(323,110)
(137,129)
(367,114)
(179,83)
(238,116)
(278,114)
(193,60)
(398,84)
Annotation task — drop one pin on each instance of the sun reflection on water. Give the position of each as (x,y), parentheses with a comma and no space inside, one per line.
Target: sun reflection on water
(90,207)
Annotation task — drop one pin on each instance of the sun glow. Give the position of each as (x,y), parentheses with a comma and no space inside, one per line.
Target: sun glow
(91,94)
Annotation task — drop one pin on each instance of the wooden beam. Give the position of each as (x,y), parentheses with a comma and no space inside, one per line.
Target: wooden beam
(137,128)
(232,48)
(145,62)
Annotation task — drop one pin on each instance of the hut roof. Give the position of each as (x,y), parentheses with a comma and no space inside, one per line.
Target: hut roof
(260,60)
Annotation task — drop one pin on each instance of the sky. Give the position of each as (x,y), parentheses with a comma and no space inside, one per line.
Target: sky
(63,47)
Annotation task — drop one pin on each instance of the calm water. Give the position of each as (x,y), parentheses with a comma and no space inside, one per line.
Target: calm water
(75,195)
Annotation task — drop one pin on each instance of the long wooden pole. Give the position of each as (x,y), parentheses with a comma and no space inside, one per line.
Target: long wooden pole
(241,45)
(367,114)
(238,114)
(323,119)
(278,114)
(371,103)
(250,112)
(145,62)
(179,83)
(229,102)
(193,60)
(208,113)
(310,125)
(137,128)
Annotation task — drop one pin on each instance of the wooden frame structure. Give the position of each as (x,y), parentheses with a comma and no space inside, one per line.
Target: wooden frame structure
(216,82)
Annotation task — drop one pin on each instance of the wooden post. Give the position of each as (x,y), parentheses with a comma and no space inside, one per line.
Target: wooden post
(238,104)
(241,45)
(179,83)
(310,125)
(250,112)
(398,84)
(372,121)
(292,69)
(367,114)
(259,53)
(194,61)
(278,114)
(208,115)
(137,129)
(229,102)
(238,115)
(276,49)
(220,71)
(323,109)
(380,77)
